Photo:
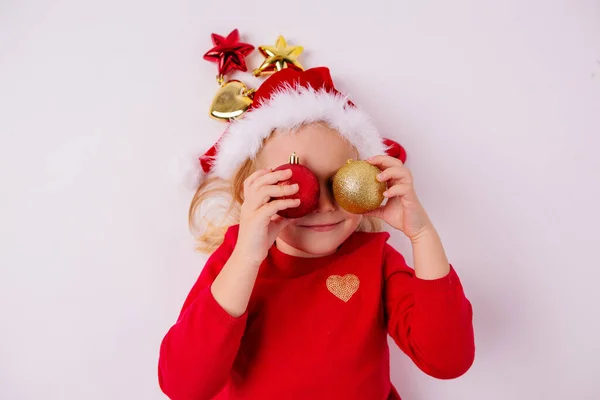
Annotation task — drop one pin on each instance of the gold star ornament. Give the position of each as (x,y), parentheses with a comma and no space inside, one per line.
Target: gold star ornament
(279,57)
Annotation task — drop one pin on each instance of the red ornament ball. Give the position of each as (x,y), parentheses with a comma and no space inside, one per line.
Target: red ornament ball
(308,189)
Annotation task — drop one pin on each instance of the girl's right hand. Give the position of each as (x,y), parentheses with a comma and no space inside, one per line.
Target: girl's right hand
(259,223)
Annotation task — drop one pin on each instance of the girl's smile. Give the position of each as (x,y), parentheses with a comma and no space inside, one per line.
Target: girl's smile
(322,227)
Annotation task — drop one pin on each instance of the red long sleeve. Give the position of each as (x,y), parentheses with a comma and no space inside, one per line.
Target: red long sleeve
(430,320)
(197,353)
(317,328)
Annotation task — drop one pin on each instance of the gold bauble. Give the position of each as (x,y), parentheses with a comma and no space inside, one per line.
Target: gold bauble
(356,188)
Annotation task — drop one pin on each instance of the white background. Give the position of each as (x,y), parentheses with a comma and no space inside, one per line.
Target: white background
(497,102)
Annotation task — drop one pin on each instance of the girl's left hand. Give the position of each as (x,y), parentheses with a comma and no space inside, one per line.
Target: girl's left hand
(403,210)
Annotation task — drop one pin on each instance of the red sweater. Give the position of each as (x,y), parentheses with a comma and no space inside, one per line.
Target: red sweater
(317,328)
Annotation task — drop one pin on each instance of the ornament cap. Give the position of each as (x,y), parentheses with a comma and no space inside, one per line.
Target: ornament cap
(294,159)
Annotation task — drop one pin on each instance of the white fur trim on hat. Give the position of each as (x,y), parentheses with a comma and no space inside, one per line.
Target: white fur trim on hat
(290,108)
(186,169)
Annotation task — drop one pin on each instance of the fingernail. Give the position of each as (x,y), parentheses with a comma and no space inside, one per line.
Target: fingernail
(295,186)
(380,176)
(386,193)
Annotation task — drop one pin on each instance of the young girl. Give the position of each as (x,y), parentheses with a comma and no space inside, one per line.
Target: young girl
(301,309)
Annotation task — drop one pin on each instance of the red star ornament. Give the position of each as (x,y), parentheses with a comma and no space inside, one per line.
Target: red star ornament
(229,52)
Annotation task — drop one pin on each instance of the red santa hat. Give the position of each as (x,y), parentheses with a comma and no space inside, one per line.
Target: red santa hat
(287,100)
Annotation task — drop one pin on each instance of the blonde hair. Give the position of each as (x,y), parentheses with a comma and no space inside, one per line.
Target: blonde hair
(210,231)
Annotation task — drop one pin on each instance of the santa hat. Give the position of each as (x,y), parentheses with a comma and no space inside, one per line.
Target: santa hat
(287,100)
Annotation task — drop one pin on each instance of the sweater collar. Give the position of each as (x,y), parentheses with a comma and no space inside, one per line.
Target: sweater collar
(281,264)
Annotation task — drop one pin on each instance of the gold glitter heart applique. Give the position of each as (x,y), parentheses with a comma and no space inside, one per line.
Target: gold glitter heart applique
(343,287)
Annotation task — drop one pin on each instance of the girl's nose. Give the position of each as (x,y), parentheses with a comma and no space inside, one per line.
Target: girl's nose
(326,199)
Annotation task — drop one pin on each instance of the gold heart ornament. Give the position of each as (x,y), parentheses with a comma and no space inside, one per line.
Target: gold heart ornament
(343,287)
(231,101)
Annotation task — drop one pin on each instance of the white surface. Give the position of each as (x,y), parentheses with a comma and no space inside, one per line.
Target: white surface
(497,102)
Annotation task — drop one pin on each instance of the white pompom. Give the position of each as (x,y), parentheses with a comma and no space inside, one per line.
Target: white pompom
(188,171)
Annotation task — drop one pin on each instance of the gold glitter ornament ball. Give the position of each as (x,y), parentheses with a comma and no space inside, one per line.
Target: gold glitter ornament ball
(356,188)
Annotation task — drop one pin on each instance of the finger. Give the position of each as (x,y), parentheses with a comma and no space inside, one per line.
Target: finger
(401,189)
(278,190)
(255,175)
(384,161)
(272,178)
(273,207)
(377,213)
(254,198)
(395,173)
(266,193)
(278,223)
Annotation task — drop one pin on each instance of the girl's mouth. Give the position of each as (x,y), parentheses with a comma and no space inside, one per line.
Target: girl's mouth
(321,227)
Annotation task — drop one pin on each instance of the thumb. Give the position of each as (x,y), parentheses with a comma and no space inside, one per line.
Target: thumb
(377,213)
(279,223)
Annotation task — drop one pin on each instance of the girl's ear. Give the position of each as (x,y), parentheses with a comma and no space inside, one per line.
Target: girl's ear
(395,150)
